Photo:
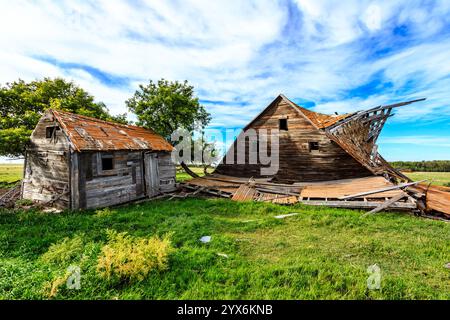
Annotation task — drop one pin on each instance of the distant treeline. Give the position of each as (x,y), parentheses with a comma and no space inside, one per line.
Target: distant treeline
(427,166)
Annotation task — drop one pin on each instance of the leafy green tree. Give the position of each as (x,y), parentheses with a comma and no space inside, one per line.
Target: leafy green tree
(166,106)
(210,153)
(23,103)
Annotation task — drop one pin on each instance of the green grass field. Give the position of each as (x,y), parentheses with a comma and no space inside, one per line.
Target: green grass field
(321,253)
(10,173)
(183,176)
(438,178)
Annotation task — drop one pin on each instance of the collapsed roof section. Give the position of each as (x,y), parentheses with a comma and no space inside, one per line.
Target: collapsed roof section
(356,133)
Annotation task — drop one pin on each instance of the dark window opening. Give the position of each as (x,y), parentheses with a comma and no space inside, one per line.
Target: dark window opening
(107,162)
(50,131)
(313,146)
(283,124)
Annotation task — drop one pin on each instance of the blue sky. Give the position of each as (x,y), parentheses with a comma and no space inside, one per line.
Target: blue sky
(326,55)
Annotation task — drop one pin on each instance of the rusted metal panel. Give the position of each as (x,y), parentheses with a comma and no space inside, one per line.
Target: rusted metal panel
(90,134)
(321,120)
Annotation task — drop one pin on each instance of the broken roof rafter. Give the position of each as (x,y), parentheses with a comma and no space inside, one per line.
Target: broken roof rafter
(372,112)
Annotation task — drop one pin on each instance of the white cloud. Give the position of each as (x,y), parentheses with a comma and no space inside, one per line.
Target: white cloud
(372,17)
(195,40)
(236,50)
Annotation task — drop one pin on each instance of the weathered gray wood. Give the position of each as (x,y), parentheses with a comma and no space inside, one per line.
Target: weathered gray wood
(151,174)
(166,172)
(82,180)
(122,184)
(46,171)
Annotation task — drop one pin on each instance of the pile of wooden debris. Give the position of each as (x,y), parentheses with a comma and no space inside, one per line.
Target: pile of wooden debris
(374,193)
(9,198)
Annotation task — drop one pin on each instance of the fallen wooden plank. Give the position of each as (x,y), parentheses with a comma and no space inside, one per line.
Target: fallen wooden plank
(386,204)
(244,193)
(208,190)
(359,204)
(343,188)
(277,198)
(399,186)
(287,193)
(286,200)
(436,198)
(256,182)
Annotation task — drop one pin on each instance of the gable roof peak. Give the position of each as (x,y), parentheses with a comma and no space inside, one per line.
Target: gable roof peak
(319,120)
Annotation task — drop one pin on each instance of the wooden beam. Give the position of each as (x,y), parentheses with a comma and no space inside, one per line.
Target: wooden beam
(395,105)
(359,204)
(208,190)
(188,171)
(399,186)
(265,190)
(376,117)
(361,113)
(386,204)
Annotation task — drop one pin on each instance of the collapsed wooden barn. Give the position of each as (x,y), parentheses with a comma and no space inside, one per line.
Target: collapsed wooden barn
(323,159)
(314,146)
(79,162)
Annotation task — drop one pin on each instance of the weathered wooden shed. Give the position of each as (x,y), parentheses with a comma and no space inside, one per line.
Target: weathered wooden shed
(314,146)
(79,162)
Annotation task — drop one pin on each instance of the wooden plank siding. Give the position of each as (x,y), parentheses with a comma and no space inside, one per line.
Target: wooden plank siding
(166,172)
(46,173)
(123,183)
(296,161)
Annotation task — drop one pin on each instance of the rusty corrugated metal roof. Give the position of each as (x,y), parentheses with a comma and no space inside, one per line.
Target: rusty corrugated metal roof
(323,120)
(90,134)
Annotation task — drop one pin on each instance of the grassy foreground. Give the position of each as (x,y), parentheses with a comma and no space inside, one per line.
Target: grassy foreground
(321,253)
